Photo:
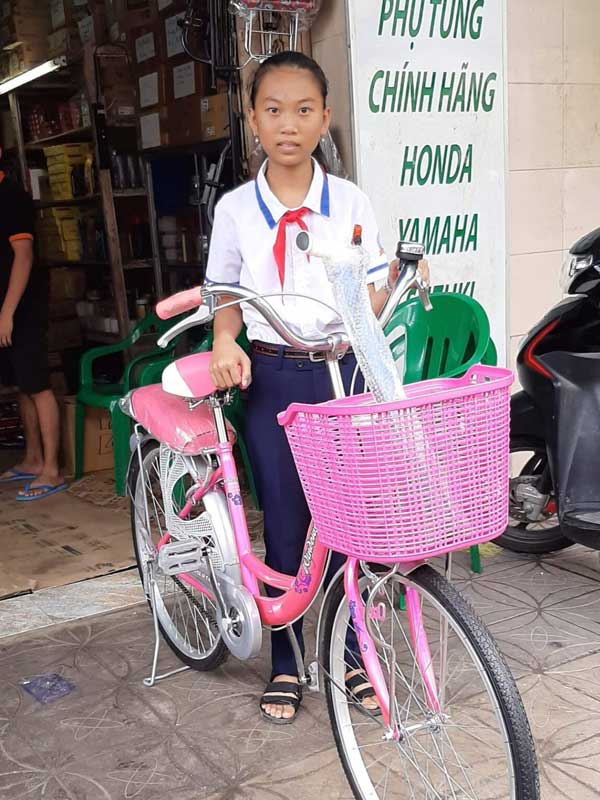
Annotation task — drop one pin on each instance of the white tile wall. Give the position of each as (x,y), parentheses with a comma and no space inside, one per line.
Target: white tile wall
(554,136)
(581,51)
(535,35)
(535,211)
(534,281)
(536,141)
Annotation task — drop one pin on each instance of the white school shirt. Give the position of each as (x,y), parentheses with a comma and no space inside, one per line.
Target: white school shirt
(241,250)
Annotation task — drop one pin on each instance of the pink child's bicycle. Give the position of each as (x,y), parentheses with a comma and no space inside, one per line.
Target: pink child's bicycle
(389,485)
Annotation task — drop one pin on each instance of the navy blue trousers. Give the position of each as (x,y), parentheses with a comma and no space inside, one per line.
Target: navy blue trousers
(277,382)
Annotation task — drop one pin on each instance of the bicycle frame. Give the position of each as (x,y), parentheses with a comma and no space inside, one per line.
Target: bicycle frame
(300,590)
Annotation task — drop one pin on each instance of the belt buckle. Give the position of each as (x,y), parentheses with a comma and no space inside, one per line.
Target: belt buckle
(316,357)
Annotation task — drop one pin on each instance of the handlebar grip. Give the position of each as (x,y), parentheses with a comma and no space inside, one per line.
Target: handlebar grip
(180,303)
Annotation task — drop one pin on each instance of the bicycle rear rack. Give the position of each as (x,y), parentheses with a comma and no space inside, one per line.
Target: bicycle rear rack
(276,23)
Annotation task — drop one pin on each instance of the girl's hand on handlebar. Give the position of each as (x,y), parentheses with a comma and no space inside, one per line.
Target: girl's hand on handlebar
(423,268)
(229,365)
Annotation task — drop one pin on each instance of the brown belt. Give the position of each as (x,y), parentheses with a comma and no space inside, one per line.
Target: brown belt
(264,349)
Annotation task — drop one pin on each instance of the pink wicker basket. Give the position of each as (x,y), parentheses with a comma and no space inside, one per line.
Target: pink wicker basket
(412,479)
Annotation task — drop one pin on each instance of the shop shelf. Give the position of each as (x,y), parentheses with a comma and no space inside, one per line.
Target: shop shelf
(76,201)
(77,134)
(138,263)
(130,192)
(49,264)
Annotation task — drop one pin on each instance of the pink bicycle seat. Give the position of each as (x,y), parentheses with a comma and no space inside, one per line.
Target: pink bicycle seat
(171,421)
(189,377)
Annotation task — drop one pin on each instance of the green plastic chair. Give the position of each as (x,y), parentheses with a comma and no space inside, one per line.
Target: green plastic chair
(107,395)
(443,343)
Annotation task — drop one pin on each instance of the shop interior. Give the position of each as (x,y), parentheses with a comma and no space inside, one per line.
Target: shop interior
(124,120)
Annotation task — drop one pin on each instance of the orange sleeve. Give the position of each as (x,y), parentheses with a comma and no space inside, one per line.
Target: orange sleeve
(18,236)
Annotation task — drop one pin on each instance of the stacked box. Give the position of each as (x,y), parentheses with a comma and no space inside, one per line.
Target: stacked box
(24,22)
(60,160)
(24,27)
(60,233)
(75,23)
(125,15)
(48,236)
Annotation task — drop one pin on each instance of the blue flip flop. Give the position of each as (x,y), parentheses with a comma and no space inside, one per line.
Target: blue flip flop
(45,491)
(16,475)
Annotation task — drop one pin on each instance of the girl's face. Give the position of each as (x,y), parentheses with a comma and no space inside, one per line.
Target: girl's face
(289,116)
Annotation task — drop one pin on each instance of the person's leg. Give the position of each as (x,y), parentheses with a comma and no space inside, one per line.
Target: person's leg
(32,463)
(49,420)
(30,362)
(34,459)
(275,384)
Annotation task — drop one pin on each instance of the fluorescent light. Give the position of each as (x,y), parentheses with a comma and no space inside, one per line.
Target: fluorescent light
(32,74)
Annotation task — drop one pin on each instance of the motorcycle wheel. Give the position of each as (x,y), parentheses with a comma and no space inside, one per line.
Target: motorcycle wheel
(520,536)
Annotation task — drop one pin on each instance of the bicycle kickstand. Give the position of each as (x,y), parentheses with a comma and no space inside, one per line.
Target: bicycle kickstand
(154,678)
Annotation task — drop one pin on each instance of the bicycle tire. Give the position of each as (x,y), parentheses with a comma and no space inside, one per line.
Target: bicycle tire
(219,653)
(520,742)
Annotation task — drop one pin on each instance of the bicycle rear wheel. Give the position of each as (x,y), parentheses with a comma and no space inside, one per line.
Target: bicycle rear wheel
(479,747)
(186,617)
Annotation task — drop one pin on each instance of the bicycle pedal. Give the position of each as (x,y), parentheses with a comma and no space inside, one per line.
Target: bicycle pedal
(178,556)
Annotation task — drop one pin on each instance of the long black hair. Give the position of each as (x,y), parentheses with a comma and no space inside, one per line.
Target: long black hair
(294,60)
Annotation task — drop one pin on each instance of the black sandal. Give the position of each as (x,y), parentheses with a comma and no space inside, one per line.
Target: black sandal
(281,693)
(359,689)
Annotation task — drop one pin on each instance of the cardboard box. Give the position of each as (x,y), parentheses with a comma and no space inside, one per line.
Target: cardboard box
(67,13)
(64,41)
(186,78)
(171,32)
(92,28)
(155,128)
(185,121)
(98,443)
(124,15)
(21,29)
(214,111)
(152,88)
(66,284)
(31,7)
(23,57)
(169,7)
(146,45)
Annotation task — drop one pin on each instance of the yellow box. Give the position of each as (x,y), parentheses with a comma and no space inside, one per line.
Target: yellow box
(68,150)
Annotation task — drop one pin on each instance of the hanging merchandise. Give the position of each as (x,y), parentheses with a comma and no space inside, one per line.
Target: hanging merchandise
(274,24)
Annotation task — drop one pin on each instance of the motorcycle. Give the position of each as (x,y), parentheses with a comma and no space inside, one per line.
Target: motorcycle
(555,419)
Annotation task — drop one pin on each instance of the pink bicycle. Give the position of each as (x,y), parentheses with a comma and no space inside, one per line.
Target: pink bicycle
(390,486)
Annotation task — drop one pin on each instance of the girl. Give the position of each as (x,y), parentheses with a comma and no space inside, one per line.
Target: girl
(252,244)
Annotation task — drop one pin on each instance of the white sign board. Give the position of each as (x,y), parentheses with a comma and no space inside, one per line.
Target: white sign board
(430,136)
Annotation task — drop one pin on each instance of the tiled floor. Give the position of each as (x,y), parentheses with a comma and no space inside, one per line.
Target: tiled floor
(199,736)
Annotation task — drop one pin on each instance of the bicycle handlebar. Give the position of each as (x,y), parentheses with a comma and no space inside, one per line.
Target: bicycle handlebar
(204,298)
(179,303)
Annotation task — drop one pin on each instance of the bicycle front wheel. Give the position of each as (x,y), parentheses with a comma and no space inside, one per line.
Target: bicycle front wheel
(478,748)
